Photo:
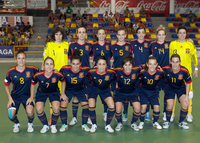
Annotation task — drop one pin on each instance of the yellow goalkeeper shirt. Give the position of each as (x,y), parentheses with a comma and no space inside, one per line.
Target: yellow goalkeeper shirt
(58,52)
(186,51)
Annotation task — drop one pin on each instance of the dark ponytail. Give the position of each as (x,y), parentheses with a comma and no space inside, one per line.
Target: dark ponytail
(21,51)
(76,56)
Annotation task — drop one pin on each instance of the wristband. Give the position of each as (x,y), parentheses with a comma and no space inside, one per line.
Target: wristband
(196,69)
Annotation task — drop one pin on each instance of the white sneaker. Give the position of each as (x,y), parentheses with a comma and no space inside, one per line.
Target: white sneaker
(89,121)
(53,129)
(164,116)
(73,121)
(124,117)
(109,129)
(30,128)
(189,118)
(157,126)
(16,128)
(147,116)
(85,128)
(141,125)
(119,127)
(183,125)
(166,125)
(105,116)
(135,127)
(44,129)
(93,128)
(172,118)
(63,128)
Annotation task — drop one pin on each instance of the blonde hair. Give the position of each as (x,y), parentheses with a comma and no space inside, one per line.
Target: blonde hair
(161,27)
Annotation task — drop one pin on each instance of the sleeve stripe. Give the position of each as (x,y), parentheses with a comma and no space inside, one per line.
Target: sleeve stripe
(6,84)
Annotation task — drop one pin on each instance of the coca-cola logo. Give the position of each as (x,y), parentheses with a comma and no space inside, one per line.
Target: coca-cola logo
(156,6)
(119,4)
(189,4)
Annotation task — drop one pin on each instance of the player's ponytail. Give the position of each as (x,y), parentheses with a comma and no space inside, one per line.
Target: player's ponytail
(150,58)
(21,51)
(161,27)
(76,56)
(173,56)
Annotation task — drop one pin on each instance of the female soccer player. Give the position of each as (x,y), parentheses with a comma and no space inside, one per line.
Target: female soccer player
(126,79)
(176,76)
(102,48)
(48,88)
(150,76)
(20,76)
(100,79)
(119,50)
(86,51)
(58,51)
(74,85)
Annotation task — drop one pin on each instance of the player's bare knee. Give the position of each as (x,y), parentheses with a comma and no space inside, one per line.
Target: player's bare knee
(156,108)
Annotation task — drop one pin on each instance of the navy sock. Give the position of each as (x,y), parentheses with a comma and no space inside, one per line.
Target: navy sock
(15,120)
(156,116)
(183,114)
(84,114)
(111,112)
(42,117)
(31,118)
(105,108)
(55,117)
(119,117)
(168,114)
(165,104)
(142,115)
(135,117)
(63,115)
(75,108)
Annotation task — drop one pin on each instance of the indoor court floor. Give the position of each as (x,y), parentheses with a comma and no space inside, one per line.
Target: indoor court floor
(76,135)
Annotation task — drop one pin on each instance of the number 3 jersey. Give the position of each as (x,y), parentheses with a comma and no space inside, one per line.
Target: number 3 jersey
(21,81)
(47,85)
(74,81)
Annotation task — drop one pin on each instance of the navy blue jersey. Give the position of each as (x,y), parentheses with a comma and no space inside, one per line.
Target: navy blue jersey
(148,81)
(21,81)
(74,81)
(161,52)
(100,83)
(141,51)
(177,80)
(119,51)
(47,85)
(126,83)
(104,50)
(86,51)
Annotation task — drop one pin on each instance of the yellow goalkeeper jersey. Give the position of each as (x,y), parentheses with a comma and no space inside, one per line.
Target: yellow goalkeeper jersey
(186,51)
(58,52)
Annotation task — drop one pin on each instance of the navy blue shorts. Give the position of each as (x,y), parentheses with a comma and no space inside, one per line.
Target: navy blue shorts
(170,93)
(120,97)
(81,95)
(103,96)
(23,102)
(161,84)
(43,97)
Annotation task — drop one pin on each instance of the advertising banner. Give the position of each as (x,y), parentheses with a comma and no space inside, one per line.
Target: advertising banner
(6,52)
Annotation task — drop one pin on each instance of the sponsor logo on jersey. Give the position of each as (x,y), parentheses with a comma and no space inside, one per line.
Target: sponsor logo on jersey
(107,47)
(146,45)
(155,48)
(133,76)
(15,76)
(67,74)
(135,45)
(115,48)
(75,48)
(121,76)
(145,77)
(95,78)
(42,81)
(53,80)
(187,51)
(166,46)
(127,48)
(107,77)
(97,49)
(180,76)
(81,74)
(157,77)
(86,47)
(28,74)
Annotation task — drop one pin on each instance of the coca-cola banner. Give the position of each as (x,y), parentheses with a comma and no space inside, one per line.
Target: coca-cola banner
(150,6)
(187,4)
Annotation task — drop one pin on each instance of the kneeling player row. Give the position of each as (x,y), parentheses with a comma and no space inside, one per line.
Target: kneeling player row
(138,84)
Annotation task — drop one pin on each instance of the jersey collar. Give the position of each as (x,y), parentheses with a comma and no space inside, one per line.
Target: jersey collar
(101,74)
(103,44)
(178,71)
(153,73)
(141,42)
(129,73)
(50,75)
(81,44)
(19,71)
(75,72)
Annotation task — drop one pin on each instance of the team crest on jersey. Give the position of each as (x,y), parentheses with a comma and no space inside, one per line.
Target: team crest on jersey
(81,74)
(157,77)
(107,47)
(65,51)
(146,45)
(107,77)
(180,76)
(133,76)
(97,49)
(166,46)
(28,74)
(53,80)
(127,48)
(86,47)
(187,51)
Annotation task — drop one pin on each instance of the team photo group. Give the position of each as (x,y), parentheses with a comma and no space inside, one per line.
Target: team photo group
(123,74)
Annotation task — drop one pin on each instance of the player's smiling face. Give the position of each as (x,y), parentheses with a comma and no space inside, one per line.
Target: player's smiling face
(181,34)
(121,35)
(141,34)
(175,62)
(81,33)
(152,65)
(127,67)
(101,35)
(58,37)
(101,66)
(21,59)
(76,63)
(49,65)
(161,36)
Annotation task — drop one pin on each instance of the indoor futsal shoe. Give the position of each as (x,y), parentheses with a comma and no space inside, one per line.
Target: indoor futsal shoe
(119,127)
(135,127)
(16,128)
(183,125)
(164,116)
(73,121)
(141,125)
(172,118)
(157,126)
(124,117)
(85,128)
(30,128)
(44,129)
(53,129)
(166,125)
(105,117)
(189,118)
(109,129)
(89,121)
(147,116)
(93,128)
(63,128)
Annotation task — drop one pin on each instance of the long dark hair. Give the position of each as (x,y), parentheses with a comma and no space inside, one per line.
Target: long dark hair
(173,56)
(56,30)
(150,58)
(76,56)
